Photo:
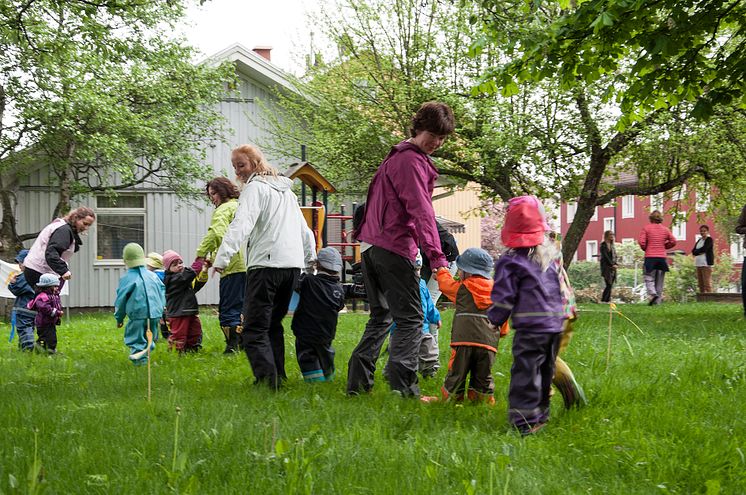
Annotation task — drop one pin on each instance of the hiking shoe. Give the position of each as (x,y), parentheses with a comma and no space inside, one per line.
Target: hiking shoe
(527,430)
(429,398)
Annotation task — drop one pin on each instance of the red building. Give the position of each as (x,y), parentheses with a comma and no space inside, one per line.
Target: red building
(629,214)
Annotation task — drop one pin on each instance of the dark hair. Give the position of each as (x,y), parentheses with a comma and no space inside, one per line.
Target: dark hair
(224,187)
(656,216)
(705,227)
(435,117)
(79,213)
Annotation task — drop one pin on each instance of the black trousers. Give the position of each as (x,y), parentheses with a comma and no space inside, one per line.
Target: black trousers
(393,292)
(606,296)
(268,292)
(316,360)
(531,375)
(47,337)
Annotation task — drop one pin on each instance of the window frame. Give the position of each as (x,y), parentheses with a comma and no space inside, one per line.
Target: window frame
(613,224)
(594,256)
(114,211)
(628,206)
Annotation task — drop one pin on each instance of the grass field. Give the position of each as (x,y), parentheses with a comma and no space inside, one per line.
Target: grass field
(667,416)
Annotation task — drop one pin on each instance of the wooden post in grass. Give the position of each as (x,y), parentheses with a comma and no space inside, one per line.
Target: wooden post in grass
(149,336)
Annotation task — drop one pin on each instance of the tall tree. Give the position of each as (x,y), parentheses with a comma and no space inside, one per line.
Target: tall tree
(95,92)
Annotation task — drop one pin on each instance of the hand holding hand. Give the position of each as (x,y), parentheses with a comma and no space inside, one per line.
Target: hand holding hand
(67,275)
(120,324)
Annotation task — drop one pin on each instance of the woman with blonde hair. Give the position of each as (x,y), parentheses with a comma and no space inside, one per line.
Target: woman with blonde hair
(655,239)
(268,216)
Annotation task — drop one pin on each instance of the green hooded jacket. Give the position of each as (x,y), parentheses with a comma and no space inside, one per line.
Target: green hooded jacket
(221,219)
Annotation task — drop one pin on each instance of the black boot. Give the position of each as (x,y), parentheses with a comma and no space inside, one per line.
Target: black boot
(232,340)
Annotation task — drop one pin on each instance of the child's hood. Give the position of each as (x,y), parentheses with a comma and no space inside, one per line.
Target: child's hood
(480,289)
(278,183)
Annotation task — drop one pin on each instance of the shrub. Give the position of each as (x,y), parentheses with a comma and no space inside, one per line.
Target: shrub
(583,274)
(681,280)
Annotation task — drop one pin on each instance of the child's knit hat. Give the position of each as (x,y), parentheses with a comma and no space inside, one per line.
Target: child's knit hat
(330,260)
(133,255)
(476,261)
(48,280)
(154,260)
(169,257)
(21,256)
(525,223)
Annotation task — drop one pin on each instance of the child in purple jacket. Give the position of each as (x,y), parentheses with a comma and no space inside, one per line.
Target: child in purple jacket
(527,289)
(48,307)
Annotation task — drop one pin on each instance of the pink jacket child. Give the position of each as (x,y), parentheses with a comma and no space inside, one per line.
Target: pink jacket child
(48,307)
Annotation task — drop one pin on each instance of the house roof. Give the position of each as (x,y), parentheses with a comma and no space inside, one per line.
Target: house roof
(451,225)
(254,65)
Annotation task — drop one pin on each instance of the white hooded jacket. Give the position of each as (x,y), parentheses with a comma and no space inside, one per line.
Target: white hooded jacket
(269,215)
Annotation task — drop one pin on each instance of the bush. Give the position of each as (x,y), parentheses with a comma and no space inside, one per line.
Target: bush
(584,274)
(681,280)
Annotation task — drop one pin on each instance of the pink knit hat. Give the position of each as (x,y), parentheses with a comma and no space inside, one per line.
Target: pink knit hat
(169,257)
(525,223)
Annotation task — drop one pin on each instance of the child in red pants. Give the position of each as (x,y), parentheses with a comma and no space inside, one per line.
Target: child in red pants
(182,311)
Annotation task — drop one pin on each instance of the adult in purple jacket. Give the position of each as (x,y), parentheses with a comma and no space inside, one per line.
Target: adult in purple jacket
(399,214)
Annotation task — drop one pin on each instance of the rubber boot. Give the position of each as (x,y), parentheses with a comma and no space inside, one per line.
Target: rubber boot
(232,343)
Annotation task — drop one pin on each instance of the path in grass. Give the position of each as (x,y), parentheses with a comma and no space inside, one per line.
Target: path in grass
(667,417)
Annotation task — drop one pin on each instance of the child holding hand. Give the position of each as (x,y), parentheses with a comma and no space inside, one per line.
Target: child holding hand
(23,318)
(48,307)
(141,297)
(182,310)
(473,338)
(527,288)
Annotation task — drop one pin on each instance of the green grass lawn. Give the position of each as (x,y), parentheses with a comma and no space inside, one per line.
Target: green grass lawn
(667,416)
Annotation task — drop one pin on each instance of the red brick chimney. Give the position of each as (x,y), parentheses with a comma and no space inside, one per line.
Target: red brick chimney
(264,52)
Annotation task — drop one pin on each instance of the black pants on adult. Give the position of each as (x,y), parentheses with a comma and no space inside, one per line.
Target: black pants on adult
(606,296)
(393,292)
(268,292)
(534,356)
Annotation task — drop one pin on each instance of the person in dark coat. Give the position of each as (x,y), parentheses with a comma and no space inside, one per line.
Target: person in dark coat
(704,258)
(741,229)
(314,324)
(608,264)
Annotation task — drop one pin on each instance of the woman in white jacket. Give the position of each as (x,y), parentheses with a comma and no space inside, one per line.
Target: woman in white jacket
(268,216)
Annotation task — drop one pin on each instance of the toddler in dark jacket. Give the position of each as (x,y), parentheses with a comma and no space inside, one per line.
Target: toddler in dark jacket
(22,318)
(182,310)
(315,319)
(48,307)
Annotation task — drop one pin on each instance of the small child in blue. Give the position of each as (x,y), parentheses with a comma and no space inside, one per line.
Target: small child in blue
(22,318)
(48,307)
(141,297)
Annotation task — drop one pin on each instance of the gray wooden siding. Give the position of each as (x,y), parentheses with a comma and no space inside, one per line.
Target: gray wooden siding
(169,222)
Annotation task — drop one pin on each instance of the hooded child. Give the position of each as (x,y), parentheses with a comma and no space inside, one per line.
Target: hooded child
(22,317)
(48,307)
(141,297)
(182,311)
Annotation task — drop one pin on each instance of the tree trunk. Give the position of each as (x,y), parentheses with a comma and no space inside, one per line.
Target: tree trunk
(63,203)
(10,242)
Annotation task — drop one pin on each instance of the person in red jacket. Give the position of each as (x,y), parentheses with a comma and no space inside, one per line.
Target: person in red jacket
(655,239)
(399,214)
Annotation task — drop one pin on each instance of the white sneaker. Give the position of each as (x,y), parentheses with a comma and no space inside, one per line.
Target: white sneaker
(139,355)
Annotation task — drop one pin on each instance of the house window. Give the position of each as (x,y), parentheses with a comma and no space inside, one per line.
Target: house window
(609,224)
(119,221)
(703,201)
(680,195)
(595,214)
(678,229)
(628,206)
(571,209)
(628,240)
(591,250)
(656,202)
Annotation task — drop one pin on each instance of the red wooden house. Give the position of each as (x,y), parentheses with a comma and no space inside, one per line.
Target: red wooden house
(684,211)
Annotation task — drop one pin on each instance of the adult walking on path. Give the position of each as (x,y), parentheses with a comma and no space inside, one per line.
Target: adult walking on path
(398,214)
(655,239)
(741,229)
(268,216)
(704,258)
(55,245)
(224,196)
(608,264)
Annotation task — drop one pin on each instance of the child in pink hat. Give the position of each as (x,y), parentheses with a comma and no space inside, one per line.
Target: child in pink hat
(182,310)
(527,289)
